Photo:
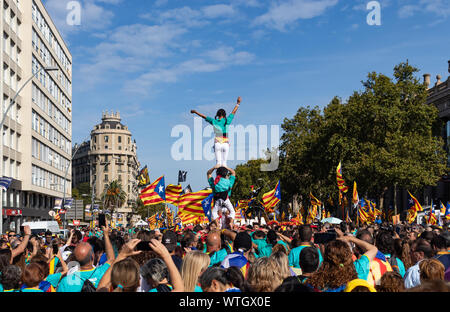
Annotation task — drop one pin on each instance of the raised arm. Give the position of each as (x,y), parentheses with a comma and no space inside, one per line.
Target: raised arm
(23,245)
(108,246)
(210,171)
(370,250)
(233,173)
(197,113)
(237,106)
(175,277)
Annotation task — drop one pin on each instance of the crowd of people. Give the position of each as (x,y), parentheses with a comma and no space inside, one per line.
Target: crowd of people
(249,258)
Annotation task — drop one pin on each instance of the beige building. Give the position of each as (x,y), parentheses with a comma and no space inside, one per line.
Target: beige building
(111,155)
(37,134)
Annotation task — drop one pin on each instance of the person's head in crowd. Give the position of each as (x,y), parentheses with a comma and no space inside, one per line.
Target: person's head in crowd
(359,285)
(366,236)
(48,237)
(194,264)
(259,234)
(384,241)
(281,248)
(431,269)
(169,239)
(402,250)
(337,268)
(305,233)
(213,241)
(98,246)
(431,286)
(427,235)
(282,259)
(292,284)
(439,244)
(145,235)
(446,235)
(243,243)
(215,279)
(84,254)
(43,262)
(155,272)
(264,275)
(189,240)
(272,237)
(420,250)
(391,282)
(309,260)
(33,275)
(236,278)
(5,258)
(11,277)
(125,276)
(76,238)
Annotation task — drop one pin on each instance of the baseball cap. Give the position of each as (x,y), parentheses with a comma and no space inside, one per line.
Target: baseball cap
(169,238)
(242,241)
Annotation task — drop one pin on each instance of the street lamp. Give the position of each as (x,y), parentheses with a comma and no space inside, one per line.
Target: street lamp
(13,100)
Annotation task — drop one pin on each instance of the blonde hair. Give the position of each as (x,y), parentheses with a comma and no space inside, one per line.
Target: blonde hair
(125,276)
(431,269)
(264,275)
(194,263)
(282,260)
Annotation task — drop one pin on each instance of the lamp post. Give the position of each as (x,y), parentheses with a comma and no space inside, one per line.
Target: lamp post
(13,100)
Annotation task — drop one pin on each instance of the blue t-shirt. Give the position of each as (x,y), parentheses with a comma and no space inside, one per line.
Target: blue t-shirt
(74,282)
(294,256)
(362,266)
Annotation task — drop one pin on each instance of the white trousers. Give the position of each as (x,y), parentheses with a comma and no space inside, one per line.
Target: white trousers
(221,204)
(221,150)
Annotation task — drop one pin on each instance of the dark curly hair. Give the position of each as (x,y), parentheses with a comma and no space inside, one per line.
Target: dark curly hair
(391,282)
(337,268)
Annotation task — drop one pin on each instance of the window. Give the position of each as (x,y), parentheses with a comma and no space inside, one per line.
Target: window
(120,139)
(106,139)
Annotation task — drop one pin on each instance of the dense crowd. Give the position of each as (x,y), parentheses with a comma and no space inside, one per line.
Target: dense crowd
(249,258)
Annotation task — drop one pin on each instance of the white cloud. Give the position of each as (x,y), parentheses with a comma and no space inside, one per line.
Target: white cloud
(440,8)
(218,10)
(283,14)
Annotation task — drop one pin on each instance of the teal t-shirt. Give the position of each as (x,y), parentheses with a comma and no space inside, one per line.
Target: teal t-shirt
(264,248)
(401,266)
(362,266)
(198,289)
(218,257)
(74,282)
(220,126)
(223,185)
(1,287)
(31,290)
(54,279)
(294,256)
(156,290)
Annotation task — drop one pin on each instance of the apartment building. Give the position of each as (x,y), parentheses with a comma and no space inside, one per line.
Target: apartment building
(36,140)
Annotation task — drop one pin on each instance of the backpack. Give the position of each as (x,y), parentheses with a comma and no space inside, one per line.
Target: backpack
(88,286)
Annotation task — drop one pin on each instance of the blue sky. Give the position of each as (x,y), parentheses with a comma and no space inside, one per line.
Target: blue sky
(155,60)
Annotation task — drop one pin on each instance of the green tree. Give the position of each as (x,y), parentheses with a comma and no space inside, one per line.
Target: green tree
(148,211)
(114,196)
(384,135)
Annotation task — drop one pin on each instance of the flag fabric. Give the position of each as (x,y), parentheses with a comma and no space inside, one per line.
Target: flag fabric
(5,182)
(314,200)
(58,219)
(311,215)
(447,211)
(172,193)
(243,204)
(414,203)
(152,222)
(191,203)
(347,218)
(169,217)
(143,178)
(187,190)
(355,199)
(182,176)
(340,179)
(272,198)
(432,220)
(363,216)
(154,193)
(207,205)
(443,209)
(298,220)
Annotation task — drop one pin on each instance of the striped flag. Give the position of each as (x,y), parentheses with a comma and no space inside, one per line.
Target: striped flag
(447,211)
(355,199)
(314,200)
(191,203)
(172,193)
(311,215)
(362,213)
(5,182)
(272,198)
(414,203)
(152,222)
(154,193)
(340,179)
(432,220)
(169,217)
(58,219)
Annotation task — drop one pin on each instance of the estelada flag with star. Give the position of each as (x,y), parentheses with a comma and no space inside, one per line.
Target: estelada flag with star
(272,198)
(155,193)
(340,179)
(191,203)
(432,220)
(414,203)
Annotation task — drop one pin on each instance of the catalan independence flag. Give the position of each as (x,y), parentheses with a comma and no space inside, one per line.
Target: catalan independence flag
(414,203)
(191,203)
(154,193)
(362,213)
(314,200)
(272,198)
(355,198)
(172,193)
(340,179)
(447,212)
(432,220)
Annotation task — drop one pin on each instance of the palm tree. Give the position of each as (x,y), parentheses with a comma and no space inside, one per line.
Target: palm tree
(114,196)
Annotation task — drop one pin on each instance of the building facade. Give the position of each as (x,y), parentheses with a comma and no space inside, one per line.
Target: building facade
(110,155)
(36,138)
